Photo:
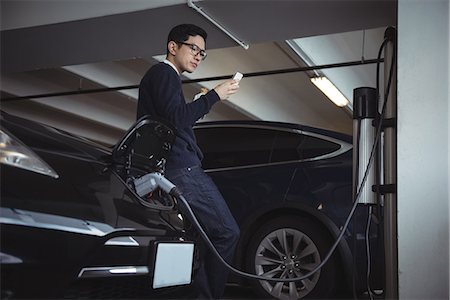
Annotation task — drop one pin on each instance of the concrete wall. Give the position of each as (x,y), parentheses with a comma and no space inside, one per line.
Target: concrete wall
(423,149)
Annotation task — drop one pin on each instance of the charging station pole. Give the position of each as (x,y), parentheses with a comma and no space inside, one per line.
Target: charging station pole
(389,188)
(364,113)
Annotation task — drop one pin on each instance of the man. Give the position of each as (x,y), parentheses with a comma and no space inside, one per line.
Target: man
(161,95)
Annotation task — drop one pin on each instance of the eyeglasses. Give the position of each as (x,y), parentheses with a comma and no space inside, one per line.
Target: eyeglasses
(195,50)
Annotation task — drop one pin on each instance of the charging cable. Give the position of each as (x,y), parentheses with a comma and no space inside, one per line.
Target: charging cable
(380,121)
(154,180)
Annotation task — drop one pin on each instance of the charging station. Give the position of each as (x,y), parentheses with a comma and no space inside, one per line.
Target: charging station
(364,114)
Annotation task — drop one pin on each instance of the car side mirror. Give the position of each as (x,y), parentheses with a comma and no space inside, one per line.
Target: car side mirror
(146,145)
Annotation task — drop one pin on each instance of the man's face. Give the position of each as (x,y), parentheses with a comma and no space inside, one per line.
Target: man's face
(187,59)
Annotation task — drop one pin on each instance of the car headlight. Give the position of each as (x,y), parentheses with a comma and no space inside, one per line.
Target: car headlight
(16,154)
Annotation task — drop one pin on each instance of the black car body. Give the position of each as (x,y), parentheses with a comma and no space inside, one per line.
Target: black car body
(289,188)
(71,218)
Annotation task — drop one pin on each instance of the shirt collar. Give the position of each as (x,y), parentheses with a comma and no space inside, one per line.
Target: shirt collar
(172,65)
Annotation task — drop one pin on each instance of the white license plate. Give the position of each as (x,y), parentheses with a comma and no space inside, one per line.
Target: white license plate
(173,264)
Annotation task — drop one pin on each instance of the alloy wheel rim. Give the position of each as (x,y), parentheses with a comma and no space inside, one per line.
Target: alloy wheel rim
(287,253)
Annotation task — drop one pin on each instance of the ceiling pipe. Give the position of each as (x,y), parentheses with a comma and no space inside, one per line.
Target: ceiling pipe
(200,11)
(303,56)
(6,98)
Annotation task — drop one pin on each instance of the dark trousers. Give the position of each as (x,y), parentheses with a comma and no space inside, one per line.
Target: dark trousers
(214,215)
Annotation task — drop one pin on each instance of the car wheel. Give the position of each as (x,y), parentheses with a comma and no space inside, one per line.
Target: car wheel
(290,247)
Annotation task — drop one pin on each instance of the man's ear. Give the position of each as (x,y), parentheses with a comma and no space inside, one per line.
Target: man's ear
(172,47)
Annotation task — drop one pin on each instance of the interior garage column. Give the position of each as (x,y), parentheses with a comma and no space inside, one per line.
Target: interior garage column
(423,149)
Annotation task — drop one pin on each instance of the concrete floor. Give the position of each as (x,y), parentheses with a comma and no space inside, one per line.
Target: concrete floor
(235,291)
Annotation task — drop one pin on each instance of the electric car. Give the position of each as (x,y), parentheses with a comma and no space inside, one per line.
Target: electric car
(289,188)
(72,223)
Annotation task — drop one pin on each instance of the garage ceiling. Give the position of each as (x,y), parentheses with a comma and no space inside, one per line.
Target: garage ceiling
(68,46)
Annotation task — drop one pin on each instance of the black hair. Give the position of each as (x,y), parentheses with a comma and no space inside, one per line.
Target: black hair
(182,32)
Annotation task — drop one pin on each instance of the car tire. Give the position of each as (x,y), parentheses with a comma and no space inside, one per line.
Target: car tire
(271,252)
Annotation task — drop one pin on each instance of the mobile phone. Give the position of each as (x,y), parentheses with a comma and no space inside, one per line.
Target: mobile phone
(238,76)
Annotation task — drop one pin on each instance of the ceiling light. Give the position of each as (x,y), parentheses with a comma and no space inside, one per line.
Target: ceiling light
(328,88)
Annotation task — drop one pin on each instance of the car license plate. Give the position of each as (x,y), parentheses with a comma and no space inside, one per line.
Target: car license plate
(173,264)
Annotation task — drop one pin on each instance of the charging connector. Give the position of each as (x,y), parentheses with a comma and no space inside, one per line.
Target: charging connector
(150,182)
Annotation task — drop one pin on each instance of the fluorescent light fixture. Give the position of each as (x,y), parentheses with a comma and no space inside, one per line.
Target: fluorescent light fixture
(328,88)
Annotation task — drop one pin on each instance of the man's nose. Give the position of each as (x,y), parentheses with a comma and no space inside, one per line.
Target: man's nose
(198,57)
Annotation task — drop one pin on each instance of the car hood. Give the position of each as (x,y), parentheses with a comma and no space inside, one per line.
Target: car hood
(148,141)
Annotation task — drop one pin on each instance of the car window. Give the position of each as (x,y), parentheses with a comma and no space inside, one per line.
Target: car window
(295,146)
(231,146)
(240,146)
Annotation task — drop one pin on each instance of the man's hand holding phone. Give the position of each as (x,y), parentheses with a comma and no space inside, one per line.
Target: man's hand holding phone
(229,87)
